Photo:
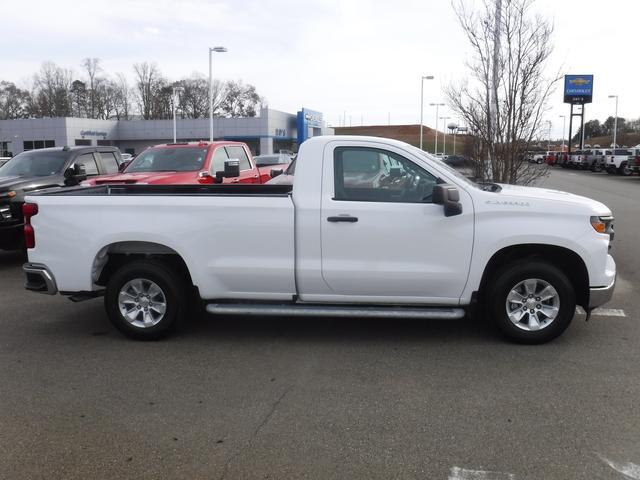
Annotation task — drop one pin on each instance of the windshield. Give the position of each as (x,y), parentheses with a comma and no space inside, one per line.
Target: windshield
(440,163)
(178,159)
(35,163)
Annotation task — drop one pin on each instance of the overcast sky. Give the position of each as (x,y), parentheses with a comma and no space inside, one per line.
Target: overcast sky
(362,57)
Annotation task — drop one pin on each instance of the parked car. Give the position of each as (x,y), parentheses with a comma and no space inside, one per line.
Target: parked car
(189,163)
(595,159)
(45,168)
(619,161)
(536,157)
(276,159)
(574,159)
(634,163)
(419,241)
(462,164)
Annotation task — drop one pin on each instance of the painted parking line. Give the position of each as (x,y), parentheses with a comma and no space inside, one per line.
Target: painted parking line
(458,473)
(604,312)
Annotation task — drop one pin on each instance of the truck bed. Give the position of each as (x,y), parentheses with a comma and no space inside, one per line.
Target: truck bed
(251,190)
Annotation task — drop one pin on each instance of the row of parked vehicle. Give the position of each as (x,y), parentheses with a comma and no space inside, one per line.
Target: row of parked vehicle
(620,161)
(167,164)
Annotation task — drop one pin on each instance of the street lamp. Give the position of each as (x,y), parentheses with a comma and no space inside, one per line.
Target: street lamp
(435,152)
(211,50)
(564,122)
(422,79)
(444,142)
(176,96)
(549,136)
(615,123)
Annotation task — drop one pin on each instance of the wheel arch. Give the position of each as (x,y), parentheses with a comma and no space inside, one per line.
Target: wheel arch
(114,255)
(571,264)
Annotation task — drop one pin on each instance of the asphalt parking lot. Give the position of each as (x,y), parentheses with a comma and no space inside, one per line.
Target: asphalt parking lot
(297,398)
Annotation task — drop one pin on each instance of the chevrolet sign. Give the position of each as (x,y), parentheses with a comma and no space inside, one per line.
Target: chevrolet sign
(578,89)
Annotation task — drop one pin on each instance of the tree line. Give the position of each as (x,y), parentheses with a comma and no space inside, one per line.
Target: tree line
(55,91)
(593,128)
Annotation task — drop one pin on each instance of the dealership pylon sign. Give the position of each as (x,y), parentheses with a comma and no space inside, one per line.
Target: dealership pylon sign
(578,89)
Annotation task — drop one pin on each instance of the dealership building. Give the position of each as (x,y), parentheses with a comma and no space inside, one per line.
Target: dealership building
(269,132)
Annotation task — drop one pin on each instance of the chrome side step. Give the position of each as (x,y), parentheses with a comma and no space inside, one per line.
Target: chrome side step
(303,310)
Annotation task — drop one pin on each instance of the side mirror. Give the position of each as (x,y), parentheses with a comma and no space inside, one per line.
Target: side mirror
(395,172)
(75,174)
(123,166)
(448,196)
(231,170)
(275,172)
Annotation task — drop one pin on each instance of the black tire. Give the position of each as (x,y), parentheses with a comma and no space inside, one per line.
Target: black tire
(511,275)
(624,170)
(173,290)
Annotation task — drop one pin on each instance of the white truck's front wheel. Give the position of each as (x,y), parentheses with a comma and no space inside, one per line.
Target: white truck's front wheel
(531,301)
(144,301)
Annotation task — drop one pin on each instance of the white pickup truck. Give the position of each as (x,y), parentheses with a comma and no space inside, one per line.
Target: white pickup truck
(370,227)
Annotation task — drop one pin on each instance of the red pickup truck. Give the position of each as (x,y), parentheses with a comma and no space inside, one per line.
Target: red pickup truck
(189,163)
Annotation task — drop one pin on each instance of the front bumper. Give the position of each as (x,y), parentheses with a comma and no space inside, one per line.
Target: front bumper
(12,236)
(600,295)
(39,279)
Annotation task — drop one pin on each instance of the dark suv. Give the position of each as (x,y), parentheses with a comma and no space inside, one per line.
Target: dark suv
(46,168)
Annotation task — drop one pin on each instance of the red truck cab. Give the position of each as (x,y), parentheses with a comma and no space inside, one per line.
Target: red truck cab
(188,163)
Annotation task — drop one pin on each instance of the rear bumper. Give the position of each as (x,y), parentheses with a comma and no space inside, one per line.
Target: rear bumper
(600,295)
(39,279)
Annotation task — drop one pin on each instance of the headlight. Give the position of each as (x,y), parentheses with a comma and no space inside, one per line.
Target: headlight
(603,225)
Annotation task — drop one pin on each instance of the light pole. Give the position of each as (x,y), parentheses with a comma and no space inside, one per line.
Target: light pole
(564,122)
(549,136)
(455,131)
(211,50)
(435,150)
(444,142)
(176,96)
(427,77)
(615,123)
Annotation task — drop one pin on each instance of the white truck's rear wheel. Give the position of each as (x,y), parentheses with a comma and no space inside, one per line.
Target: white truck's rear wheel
(531,302)
(144,300)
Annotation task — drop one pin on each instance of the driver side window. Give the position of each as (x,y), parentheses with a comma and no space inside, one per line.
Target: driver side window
(366,174)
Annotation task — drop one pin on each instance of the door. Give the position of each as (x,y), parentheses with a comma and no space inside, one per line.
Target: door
(382,237)
(248,173)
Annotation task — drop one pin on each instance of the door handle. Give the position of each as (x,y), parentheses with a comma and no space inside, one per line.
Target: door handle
(343,218)
(235,180)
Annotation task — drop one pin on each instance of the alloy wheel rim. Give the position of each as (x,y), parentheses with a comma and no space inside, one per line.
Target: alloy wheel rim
(142,303)
(532,304)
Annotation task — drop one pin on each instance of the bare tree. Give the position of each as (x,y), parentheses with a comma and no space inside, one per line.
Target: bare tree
(14,102)
(506,115)
(52,85)
(240,100)
(148,82)
(92,68)
(79,98)
(123,97)
(194,100)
